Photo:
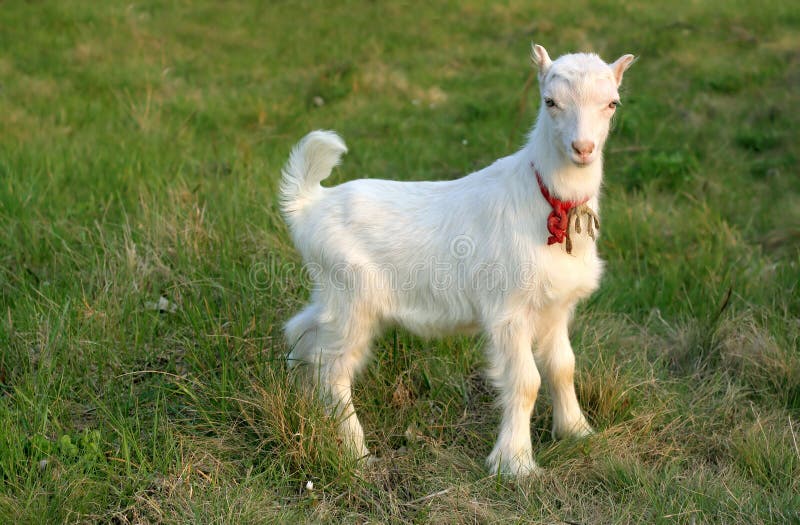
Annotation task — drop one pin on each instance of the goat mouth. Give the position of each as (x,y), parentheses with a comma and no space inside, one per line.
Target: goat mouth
(582,161)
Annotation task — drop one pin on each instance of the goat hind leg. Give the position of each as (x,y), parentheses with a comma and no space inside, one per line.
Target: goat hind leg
(341,353)
(301,335)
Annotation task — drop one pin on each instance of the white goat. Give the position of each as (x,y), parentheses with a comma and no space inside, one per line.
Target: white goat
(484,252)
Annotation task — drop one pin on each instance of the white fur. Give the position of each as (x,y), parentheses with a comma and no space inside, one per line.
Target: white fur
(464,255)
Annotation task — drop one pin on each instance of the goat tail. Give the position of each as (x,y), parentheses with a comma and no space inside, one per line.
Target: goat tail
(310,162)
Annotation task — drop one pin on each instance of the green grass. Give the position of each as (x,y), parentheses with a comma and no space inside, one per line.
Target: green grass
(140,150)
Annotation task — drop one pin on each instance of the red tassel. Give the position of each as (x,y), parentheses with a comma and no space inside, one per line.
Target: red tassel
(557,221)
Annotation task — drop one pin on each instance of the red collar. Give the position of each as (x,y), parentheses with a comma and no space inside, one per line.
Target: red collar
(557,221)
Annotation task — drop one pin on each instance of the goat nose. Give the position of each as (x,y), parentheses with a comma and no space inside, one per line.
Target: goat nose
(583,147)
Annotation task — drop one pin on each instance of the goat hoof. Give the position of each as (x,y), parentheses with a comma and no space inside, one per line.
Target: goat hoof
(517,465)
(580,429)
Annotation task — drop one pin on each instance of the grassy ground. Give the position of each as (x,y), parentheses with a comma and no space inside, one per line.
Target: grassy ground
(140,148)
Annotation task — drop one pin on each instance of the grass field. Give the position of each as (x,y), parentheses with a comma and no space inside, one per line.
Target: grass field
(140,151)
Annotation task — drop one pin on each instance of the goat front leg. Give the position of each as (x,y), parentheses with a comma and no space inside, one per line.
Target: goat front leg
(556,359)
(513,372)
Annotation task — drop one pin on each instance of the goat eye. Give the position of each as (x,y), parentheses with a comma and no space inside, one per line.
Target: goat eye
(613,104)
(549,102)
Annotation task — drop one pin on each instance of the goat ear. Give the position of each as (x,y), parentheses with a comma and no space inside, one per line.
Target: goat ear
(540,59)
(622,64)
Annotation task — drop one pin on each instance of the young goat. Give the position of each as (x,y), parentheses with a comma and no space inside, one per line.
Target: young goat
(500,250)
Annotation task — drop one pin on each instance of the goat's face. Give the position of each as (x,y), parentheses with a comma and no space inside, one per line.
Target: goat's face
(579,97)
